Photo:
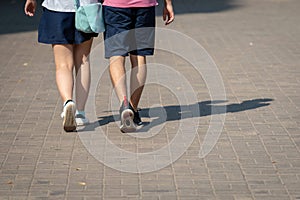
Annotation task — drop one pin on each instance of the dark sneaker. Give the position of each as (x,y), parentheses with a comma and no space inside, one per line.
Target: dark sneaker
(137,119)
(126,117)
(68,116)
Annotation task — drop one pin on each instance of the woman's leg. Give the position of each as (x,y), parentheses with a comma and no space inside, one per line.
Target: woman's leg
(63,56)
(83,74)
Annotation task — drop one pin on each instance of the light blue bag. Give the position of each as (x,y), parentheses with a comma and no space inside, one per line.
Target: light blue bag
(89,18)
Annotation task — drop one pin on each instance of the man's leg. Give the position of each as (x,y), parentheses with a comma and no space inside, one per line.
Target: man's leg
(118,78)
(144,34)
(137,79)
(118,75)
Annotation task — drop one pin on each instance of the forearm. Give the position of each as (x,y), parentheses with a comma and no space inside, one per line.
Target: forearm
(168,2)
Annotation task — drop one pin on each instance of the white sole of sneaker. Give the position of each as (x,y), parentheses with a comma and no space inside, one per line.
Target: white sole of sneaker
(127,122)
(69,122)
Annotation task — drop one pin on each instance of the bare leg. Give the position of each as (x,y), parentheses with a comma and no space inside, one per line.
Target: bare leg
(137,79)
(118,75)
(83,74)
(63,56)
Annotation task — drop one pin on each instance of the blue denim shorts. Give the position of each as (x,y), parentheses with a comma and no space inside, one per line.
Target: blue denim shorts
(129,31)
(59,28)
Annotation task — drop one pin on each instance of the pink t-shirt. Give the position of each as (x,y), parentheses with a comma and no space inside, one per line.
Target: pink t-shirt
(130,3)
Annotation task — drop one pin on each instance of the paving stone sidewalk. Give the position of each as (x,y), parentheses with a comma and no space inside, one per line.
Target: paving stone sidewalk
(256,46)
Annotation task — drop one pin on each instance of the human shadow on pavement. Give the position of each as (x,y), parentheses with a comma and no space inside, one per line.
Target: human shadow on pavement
(173,112)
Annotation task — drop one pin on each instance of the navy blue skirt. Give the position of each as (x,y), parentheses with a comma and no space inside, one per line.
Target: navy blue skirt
(59,28)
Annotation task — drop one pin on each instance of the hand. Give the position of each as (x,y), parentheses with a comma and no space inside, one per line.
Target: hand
(168,13)
(30,7)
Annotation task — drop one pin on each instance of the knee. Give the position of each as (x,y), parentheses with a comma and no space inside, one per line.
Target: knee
(64,66)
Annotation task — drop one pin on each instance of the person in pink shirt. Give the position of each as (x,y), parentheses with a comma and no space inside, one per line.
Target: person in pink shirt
(130,31)
(130,3)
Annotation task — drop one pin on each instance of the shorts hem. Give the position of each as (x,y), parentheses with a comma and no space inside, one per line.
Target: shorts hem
(126,55)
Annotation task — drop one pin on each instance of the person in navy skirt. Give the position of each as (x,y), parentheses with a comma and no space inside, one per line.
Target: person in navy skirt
(71,49)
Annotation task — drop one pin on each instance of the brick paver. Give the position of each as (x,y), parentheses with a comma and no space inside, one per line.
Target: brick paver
(256,46)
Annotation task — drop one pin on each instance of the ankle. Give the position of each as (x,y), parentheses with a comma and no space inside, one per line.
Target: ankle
(133,107)
(67,101)
(80,112)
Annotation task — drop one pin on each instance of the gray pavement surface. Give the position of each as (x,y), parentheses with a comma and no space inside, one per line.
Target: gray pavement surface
(256,46)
